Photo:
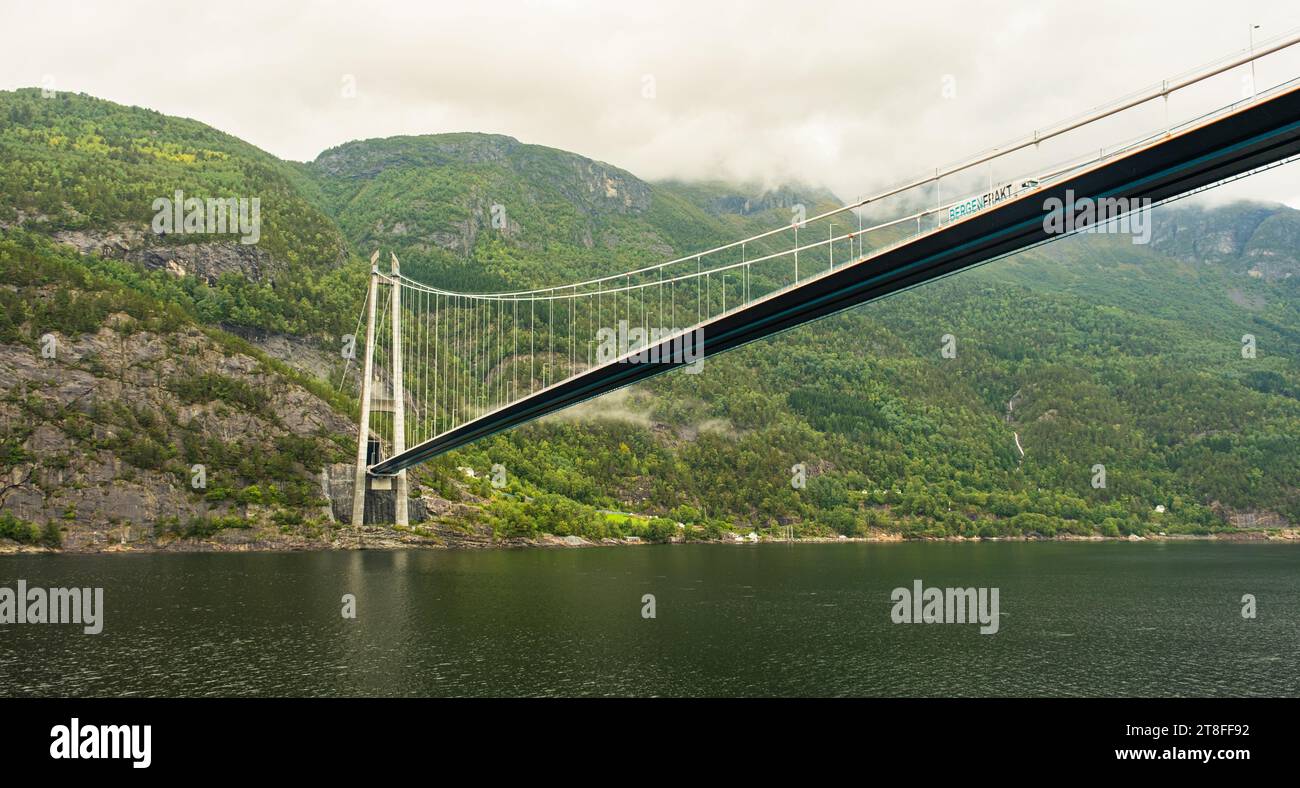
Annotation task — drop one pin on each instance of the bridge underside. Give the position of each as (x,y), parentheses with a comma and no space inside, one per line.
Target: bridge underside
(1255,136)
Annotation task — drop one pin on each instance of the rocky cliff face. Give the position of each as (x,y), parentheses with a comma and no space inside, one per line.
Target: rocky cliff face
(1257,240)
(134,242)
(207,261)
(111,430)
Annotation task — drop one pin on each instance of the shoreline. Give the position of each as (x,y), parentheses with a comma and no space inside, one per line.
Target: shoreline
(447,538)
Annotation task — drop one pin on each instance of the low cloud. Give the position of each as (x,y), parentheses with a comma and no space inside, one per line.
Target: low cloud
(852,95)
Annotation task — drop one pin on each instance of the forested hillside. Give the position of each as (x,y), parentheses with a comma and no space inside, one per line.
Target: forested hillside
(1089,351)
(88,172)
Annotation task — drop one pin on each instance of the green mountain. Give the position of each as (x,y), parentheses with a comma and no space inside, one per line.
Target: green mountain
(88,172)
(1089,351)
(563,217)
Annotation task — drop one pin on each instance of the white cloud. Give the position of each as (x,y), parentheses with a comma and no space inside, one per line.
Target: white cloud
(846,94)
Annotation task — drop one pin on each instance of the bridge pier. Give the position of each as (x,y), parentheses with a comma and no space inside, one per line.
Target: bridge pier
(379,500)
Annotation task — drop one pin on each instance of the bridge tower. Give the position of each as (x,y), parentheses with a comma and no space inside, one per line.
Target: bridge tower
(394,403)
(400,499)
(367,378)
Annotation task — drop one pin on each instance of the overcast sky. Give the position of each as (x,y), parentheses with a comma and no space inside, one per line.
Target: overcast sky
(848,95)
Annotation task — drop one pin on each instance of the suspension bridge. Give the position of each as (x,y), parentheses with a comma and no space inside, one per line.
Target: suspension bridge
(442,369)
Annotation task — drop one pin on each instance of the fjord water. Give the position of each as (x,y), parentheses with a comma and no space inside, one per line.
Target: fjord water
(1076,619)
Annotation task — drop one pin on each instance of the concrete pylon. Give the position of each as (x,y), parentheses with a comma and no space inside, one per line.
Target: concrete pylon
(367,376)
(400,501)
